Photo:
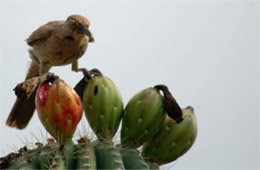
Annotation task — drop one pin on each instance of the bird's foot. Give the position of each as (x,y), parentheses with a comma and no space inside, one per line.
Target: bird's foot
(25,89)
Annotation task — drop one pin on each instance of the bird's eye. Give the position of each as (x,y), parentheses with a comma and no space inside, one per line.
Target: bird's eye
(72,24)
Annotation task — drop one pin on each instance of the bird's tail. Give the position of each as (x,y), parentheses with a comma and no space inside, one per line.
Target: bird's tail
(23,109)
(21,112)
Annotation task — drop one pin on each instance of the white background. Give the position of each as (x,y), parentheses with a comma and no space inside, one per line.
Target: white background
(207,52)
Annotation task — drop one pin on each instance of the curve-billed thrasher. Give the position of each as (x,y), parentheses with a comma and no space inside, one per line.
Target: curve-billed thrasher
(56,43)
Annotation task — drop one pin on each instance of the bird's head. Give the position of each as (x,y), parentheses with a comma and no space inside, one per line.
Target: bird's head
(80,25)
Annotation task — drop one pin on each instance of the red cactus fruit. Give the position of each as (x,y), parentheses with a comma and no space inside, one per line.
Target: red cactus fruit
(59,108)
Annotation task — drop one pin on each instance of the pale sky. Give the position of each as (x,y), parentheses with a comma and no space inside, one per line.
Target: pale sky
(206,52)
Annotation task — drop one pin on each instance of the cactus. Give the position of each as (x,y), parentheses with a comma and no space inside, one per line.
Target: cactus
(83,155)
(103,106)
(133,160)
(173,139)
(107,155)
(54,156)
(151,119)
(59,109)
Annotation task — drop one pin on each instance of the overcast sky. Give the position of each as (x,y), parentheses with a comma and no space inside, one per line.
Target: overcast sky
(207,52)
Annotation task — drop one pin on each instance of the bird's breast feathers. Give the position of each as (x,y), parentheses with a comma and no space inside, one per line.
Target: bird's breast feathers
(61,52)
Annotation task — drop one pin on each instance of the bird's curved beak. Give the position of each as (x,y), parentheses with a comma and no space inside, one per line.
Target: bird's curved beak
(84,30)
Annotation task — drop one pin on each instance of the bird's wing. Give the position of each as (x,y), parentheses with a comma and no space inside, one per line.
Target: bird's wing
(42,32)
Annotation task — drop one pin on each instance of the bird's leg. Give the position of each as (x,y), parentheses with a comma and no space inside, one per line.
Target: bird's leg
(75,66)
(44,67)
(83,70)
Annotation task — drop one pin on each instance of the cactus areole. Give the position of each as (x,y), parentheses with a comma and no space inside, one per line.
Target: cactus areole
(59,108)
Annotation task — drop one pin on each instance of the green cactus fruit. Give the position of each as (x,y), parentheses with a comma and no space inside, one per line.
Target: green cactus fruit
(107,155)
(103,106)
(173,139)
(142,117)
(59,108)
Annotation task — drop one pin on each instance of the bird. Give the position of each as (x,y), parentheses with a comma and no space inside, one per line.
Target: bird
(56,43)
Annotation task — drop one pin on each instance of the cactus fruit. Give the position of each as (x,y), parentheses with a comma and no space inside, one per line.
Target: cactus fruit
(103,106)
(143,115)
(173,139)
(59,108)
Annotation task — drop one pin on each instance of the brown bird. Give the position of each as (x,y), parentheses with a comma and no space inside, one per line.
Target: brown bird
(56,43)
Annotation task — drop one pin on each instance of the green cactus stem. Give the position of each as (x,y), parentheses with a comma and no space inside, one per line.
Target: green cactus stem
(107,155)
(85,154)
(132,159)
